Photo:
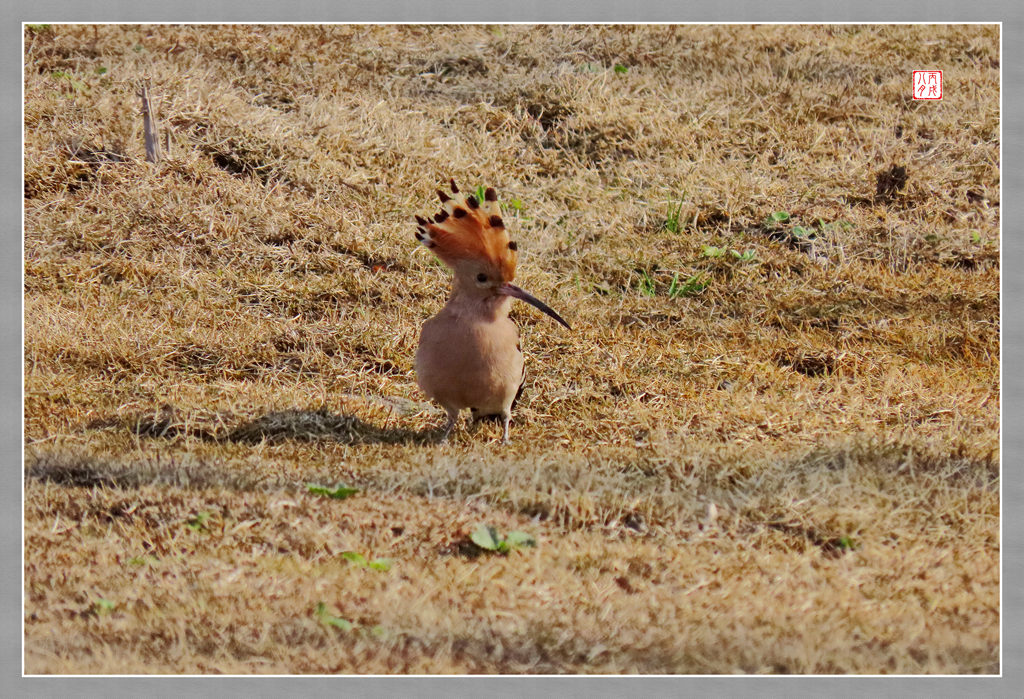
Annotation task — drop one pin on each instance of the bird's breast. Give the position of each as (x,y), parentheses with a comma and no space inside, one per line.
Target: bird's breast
(465,362)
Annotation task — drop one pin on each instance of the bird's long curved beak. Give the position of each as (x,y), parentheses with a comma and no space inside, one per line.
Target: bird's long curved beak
(515,292)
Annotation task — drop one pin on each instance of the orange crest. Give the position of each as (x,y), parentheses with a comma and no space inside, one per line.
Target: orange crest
(468,229)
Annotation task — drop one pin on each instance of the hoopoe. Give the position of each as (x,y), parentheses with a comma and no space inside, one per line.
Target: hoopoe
(469,354)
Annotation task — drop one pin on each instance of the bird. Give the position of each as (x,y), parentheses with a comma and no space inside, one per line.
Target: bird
(469,354)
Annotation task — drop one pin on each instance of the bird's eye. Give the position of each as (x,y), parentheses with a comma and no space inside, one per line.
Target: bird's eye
(481,277)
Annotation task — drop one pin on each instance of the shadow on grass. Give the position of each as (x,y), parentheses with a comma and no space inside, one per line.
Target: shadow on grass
(275,427)
(68,468)
(185,470)
(320,425)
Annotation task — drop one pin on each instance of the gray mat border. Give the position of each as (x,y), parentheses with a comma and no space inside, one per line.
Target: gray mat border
(11,682)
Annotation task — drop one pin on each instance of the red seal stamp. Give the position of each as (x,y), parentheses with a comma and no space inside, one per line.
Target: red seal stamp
(927,84)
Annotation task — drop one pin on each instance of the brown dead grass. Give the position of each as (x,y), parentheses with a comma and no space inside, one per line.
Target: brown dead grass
(206,336)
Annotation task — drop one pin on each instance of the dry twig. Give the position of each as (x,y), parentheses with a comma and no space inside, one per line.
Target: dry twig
(150,126)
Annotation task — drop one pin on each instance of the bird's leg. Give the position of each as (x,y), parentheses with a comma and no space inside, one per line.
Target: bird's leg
(453,416)
(506,418)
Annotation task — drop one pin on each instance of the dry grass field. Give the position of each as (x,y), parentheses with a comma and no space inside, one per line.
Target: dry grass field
(769,444)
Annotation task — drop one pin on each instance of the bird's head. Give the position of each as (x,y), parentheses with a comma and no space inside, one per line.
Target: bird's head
(469,236)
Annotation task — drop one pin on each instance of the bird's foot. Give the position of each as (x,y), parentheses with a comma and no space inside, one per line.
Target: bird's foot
(452,419)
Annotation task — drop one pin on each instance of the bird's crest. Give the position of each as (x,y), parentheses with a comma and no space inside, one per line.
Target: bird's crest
(469,229)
